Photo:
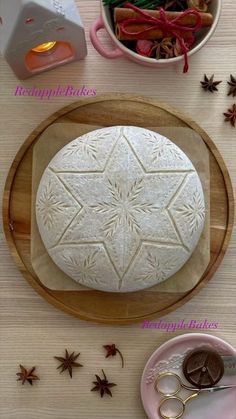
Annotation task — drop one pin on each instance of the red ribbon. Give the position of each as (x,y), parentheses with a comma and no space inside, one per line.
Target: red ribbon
(167,26)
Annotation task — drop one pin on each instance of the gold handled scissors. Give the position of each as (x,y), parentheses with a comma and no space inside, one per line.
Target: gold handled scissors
(180,404)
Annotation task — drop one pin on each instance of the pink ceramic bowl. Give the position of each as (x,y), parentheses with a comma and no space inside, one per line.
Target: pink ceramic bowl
(169,357)
(104,22)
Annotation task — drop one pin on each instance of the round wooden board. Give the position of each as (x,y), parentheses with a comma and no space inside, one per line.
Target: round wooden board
(107,110)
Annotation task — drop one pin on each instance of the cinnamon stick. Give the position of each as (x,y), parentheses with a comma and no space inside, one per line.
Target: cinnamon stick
(152,34)
(189,20)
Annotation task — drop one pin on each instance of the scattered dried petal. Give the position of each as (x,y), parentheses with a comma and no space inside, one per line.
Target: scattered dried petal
(112,350)
(144,47)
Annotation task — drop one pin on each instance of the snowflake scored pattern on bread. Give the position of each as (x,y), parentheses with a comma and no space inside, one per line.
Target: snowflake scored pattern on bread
(120,209)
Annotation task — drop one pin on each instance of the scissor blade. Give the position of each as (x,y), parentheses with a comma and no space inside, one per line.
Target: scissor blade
(217,388)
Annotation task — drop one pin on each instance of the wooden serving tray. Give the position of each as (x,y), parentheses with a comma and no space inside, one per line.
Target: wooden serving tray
(107,110)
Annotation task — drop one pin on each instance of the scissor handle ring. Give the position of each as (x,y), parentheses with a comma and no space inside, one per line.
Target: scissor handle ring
(167,374)
(166,399)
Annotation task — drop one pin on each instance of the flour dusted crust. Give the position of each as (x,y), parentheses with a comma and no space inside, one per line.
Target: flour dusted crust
(120,209)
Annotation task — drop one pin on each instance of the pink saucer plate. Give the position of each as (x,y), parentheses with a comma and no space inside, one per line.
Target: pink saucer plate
(169,357)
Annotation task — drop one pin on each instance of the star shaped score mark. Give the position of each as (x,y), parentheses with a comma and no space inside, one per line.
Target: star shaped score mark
(123,206)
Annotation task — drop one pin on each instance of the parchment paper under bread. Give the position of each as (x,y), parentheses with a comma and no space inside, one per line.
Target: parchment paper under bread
(57,136)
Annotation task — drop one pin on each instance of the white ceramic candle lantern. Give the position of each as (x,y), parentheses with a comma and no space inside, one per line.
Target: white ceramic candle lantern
(38,35)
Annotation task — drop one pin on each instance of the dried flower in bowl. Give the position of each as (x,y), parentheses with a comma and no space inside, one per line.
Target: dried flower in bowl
(144,47)
(166,48)
(201,5)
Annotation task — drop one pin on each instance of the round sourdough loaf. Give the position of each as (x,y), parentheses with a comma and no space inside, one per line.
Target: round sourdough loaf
(120,209)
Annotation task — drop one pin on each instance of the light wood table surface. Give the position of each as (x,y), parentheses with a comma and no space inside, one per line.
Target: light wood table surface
(32,331)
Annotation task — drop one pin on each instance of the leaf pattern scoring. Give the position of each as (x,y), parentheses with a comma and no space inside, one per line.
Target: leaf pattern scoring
(123,207)
(49,206)
(193,212)
(162,147)
(87,145)
(157,270)
(84,270)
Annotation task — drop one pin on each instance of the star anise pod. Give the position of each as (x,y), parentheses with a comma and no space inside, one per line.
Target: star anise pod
(68,363)
(27,375)
(231,115)
(232,84)
(102,385)
(164,48)
(209,84)
(112,350)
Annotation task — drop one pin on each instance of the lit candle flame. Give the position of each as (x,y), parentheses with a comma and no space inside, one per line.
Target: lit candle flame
(44,47)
